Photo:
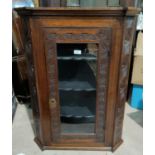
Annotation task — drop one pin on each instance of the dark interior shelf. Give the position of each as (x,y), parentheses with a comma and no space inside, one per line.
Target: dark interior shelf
(78,107)
(76,86)
(69,51)
(82,128)
(76,76)
(87,57)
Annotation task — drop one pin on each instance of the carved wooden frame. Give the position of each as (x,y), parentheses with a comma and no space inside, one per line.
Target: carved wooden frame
(103,37)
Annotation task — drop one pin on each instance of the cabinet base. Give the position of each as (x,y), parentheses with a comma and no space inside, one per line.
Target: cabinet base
(96,148)
(117,145)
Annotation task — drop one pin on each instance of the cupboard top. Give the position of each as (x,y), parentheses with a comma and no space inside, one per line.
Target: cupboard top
(106,11)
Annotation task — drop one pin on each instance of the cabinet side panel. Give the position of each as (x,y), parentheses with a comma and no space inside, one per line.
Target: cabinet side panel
(26,36)
(116,47)
(129,29)
(40,71)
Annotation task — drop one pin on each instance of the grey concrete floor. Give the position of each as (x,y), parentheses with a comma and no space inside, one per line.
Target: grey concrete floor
(23,144)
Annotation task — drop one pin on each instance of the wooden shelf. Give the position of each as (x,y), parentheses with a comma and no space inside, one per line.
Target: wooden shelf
(76,86)
(78,107)
(78,58)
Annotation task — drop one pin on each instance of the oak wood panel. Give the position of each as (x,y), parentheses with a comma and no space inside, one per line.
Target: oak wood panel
(81,12)
(52,77)
(41,82)
(73,146)
(113,79)
(129,29)
(19,45)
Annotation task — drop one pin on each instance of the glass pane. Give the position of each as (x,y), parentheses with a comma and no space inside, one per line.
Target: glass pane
(98,3)
(73,2)
(93,3)
(77,69)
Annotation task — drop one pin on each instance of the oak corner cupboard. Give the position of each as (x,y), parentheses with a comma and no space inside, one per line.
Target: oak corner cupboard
(78,64)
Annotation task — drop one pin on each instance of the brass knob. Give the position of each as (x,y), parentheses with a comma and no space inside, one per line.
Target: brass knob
(52,103)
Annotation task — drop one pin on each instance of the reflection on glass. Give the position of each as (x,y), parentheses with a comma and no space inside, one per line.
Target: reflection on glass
(73,3)
(77,66)
(99,3)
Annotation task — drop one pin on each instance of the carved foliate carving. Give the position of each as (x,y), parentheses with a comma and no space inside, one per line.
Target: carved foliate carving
(51,60)
(103,68)
(123,76)
(82,36)
(103,37)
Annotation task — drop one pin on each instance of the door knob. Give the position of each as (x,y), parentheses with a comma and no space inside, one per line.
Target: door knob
(52,103)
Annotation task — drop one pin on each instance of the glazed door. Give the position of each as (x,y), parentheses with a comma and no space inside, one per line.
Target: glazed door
(72,81)
(77,65)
